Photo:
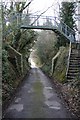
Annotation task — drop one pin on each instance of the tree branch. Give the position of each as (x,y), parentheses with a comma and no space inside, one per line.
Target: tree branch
(26,6)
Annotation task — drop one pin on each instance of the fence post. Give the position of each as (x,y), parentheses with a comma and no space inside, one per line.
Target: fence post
(56,56)
(52,66)
(68,59)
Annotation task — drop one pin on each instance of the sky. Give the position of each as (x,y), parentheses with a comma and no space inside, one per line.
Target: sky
(42,5)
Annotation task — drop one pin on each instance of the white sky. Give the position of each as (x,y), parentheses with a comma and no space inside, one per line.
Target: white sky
(42,5)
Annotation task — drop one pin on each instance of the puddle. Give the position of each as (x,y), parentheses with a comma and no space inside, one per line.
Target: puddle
(18,107)
(17,100)
(53,104)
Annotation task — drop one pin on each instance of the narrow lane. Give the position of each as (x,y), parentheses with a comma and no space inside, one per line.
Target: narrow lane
(37,99)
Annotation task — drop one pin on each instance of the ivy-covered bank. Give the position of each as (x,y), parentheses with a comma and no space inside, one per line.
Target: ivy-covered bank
(16,46)
(52,63)
(60,66)
(11,77)
(15,63)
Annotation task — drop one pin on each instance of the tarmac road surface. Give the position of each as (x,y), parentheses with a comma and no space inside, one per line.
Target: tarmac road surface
(37,98)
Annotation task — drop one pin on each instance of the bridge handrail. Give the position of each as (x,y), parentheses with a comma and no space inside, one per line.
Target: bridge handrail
(69,53)
(49,18)
(56,21)
(42,17)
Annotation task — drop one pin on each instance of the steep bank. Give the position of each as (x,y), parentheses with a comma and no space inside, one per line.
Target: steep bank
(11,77)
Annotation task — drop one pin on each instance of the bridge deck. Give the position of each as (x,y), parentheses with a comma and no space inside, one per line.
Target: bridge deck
(39,27)
(54,28)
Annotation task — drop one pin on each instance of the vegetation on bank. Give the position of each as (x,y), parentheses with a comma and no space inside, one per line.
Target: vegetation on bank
(61,65)
(14,68)
(69,89)
(46,49)
(16,48)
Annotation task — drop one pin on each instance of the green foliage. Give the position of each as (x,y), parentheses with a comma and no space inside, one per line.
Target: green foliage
(45,49)
(27,40)
(5,68)
(47,67)
(60,67)
(21,40)
(8,76)
(67,12)
(62,42)
(46,46)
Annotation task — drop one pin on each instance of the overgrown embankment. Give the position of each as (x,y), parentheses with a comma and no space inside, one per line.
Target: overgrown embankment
(47,47)
(15,62)
(11,76)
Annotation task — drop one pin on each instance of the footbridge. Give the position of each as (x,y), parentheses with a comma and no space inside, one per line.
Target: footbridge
(55,24)
(48,23)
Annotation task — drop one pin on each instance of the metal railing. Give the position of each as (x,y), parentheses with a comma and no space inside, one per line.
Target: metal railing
(68,59)
(39,21)
(18,56)
(49,22)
